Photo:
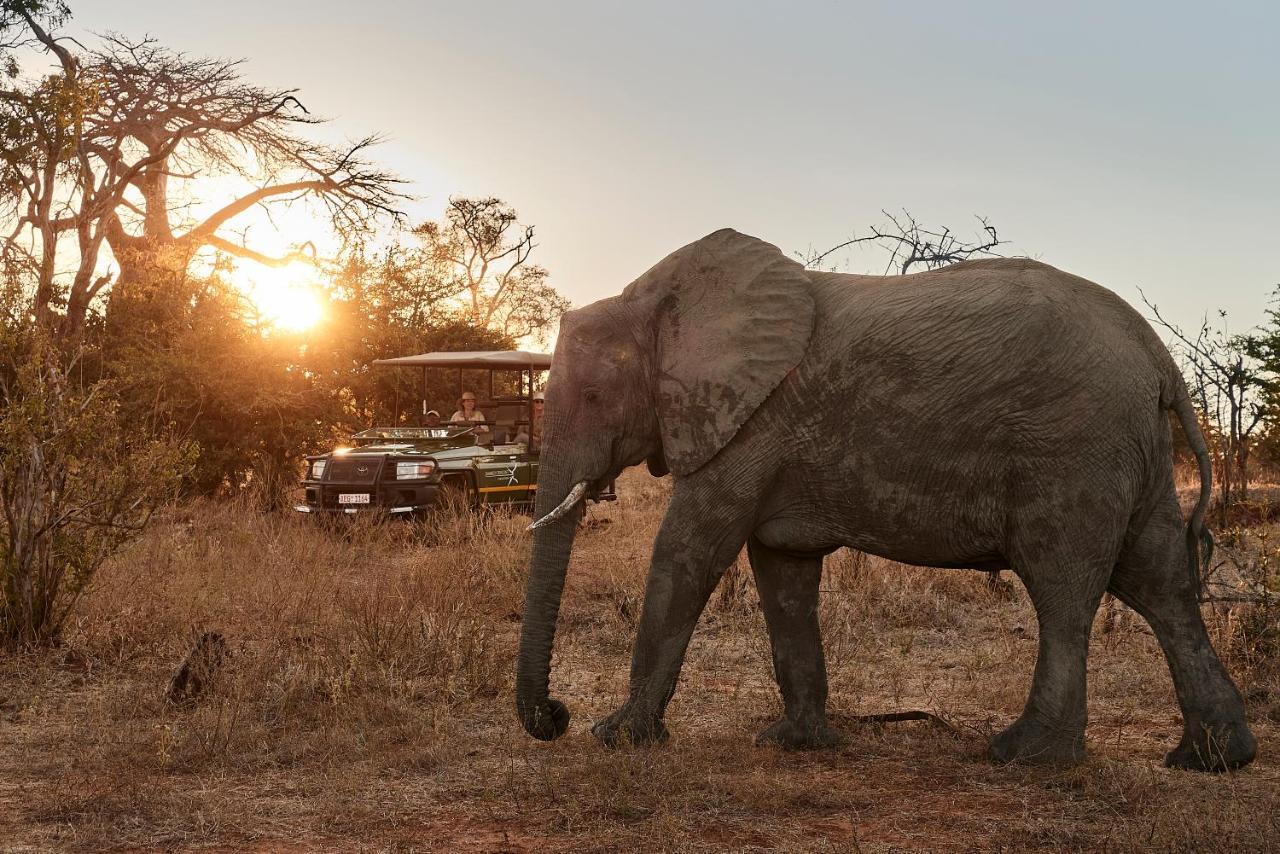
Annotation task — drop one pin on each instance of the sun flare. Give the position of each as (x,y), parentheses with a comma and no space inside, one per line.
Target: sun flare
(283,297)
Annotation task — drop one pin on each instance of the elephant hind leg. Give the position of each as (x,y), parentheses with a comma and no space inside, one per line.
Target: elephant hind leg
(1151,577)
(788,587)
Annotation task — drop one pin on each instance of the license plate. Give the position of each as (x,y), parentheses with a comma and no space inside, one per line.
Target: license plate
(353,498)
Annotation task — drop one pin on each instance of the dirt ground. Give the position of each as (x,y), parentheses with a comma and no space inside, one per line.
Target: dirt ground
(366,705)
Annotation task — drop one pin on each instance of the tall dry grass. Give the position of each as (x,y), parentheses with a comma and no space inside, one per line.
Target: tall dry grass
(345,641)
(367,703)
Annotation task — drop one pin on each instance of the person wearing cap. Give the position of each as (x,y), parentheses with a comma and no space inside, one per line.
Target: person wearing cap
(431,419)
(468,414)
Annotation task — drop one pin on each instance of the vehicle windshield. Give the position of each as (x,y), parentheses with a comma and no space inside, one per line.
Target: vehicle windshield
(411,433)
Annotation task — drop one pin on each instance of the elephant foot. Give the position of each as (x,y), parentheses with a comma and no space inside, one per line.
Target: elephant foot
(624,728)
(795,735)
(1214,747)
(1031,742)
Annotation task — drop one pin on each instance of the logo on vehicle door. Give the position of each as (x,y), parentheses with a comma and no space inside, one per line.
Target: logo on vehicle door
(507,473)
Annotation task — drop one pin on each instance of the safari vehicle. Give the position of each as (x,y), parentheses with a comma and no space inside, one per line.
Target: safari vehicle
(405,469)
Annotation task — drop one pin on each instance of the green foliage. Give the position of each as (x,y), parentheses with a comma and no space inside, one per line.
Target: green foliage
(124,379)
(1263,347)
(240,396)
(256,400)
(75,484)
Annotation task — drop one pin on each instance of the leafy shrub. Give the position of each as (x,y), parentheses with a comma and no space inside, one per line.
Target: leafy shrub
(75,485)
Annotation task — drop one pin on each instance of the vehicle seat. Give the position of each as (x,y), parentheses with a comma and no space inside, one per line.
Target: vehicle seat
(507,416)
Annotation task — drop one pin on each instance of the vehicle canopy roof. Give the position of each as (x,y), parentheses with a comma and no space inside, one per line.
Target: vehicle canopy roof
(493,359)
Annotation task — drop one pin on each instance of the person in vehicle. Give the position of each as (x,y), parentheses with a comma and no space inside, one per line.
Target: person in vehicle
(535,419)
(468,414)
(431,419)
(531,434)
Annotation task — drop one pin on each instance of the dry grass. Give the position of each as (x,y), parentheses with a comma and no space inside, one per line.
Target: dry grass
(367,705)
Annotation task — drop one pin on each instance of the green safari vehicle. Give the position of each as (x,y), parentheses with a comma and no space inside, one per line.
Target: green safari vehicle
(409,469)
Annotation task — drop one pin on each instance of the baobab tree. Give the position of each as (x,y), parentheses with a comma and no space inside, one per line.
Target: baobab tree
(100,158)
(118,145)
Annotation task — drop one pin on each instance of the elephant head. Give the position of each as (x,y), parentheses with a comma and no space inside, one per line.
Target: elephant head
(667,373)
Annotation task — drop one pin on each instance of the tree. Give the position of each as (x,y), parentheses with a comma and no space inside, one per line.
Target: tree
(75,485)
(909,244)
(481,253)
(116,147)
(106,164)
(393,303)
(1228,383)
(46,174)
(1262,345)
(244,398)
(195,118)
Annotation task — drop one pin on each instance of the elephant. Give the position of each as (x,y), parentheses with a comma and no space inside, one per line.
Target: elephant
(992,414)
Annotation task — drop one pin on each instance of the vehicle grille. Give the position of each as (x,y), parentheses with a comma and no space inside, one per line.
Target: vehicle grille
(350,471)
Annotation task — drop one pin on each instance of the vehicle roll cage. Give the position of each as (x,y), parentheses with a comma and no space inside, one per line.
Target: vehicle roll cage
(526,364)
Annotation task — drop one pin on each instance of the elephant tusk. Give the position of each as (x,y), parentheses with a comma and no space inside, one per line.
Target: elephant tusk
(574,496)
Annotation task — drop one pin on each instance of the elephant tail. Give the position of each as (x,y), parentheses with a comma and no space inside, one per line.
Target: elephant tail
(1199,538)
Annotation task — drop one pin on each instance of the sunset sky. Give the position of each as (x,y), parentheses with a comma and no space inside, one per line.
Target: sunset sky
(1134,144)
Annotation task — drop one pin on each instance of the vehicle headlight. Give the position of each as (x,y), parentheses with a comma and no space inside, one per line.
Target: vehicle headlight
(317,469)
(414,470)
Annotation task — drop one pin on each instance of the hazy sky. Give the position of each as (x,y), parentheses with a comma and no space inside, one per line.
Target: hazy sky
(1131,143)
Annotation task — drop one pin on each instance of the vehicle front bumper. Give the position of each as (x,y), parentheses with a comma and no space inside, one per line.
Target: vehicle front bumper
(396,497)
(364,508)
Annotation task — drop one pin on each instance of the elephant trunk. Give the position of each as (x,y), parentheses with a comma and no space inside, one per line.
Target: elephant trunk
(543,717)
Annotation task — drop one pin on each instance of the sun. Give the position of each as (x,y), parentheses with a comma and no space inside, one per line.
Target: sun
(285,298)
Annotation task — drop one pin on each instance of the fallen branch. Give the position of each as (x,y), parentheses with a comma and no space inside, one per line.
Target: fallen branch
(898,717)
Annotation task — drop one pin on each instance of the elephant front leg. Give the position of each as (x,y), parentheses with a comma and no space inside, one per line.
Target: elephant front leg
(1066,592)
(788,586)
(689,558)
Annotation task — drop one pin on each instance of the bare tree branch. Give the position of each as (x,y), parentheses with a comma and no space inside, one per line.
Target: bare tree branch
(1225,379)
(910,244)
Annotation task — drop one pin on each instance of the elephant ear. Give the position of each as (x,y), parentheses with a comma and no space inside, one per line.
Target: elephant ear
(732,316)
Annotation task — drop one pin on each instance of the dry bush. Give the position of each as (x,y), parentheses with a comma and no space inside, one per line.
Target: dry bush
(1244,615)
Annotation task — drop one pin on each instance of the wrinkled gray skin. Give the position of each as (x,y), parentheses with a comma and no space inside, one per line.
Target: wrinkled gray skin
(992,414)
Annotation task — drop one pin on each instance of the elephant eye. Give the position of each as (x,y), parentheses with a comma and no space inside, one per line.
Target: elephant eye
(591,395)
